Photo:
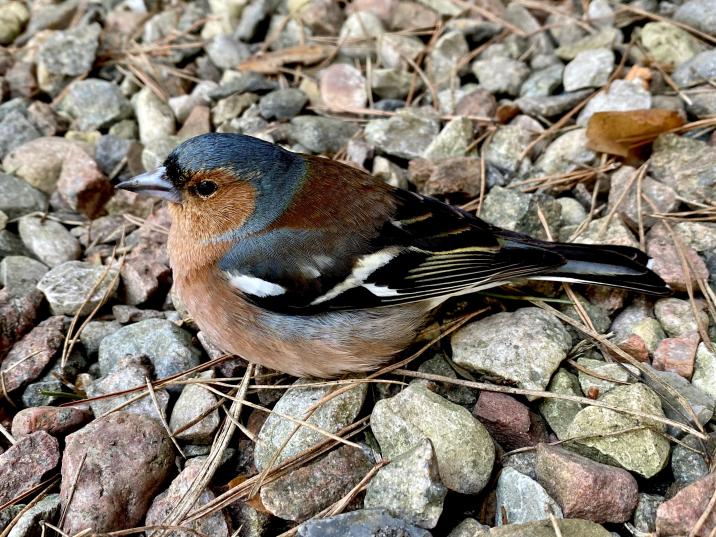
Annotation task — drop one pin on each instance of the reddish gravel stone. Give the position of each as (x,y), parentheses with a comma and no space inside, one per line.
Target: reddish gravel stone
(479,103)
(146,269)
(126,457)
(678,516)
(343,86)
(198,122)
(21,80)
(508,421)
(53,420)
(420,170)
(32,354)
(17,316)
(609,298)
(635,346)
(584,488)
(25,464)
(667,262)
(677,354)
(82,185)
(455,175)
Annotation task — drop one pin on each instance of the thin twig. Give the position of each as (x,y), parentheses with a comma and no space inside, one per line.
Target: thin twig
(73,487)
(212,462)
(6,433)
(704,516)
(6,531)
(162,417)
(550,395)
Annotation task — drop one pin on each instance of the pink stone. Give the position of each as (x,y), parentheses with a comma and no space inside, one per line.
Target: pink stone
(678,515)
(82,185)
(17,317)
(609,298)
(25,464)
(198,122)
(635,346)
(584,488)
(146,269)
(111,471)
(420,170)
(667,262)
(454,175)
(508,421)
(343,87)
(307,490)
(56,421)
(32,354)
(477,103)
(677,354)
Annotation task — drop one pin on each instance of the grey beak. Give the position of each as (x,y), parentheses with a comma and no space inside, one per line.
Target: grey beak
(153,183)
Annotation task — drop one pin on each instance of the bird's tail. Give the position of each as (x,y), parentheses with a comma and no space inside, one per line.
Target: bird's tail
(616,266)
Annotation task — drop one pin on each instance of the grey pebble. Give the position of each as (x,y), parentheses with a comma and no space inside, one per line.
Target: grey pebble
(77,286)
(321,134)
(93,104)
(409,487)
(361,523)
(463,447)
(522,499)
(19,274)
(282,104)
(331,416)
(168,346)
(589,69)
(48,240)
(131,371)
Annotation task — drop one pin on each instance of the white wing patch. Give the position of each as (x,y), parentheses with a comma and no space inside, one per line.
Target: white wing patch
(254,286)
(361,271)
(380,290)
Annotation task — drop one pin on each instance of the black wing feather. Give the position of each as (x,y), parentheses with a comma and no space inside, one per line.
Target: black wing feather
(436,250)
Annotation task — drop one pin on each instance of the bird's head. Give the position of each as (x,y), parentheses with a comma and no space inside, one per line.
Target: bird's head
(224,185)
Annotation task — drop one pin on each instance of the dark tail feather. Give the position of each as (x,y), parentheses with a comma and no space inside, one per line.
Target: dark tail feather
(616,266)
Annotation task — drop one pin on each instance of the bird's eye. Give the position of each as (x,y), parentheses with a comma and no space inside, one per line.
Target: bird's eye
(206,188)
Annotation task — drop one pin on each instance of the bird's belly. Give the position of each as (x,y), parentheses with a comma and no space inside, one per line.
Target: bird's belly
(324,345)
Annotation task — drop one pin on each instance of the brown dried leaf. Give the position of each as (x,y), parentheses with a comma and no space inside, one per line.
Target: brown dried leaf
(258,505)
(622,133)
(272,62)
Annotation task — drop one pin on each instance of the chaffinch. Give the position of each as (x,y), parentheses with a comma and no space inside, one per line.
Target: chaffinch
(315,268)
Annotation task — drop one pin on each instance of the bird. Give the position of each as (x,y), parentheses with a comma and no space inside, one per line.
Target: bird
(316,268)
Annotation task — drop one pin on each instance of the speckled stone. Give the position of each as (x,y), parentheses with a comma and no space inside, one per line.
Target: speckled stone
(463,448)
(331,416)
(525,346)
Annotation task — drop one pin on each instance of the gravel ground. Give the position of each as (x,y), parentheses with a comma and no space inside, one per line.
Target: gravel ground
(586,414)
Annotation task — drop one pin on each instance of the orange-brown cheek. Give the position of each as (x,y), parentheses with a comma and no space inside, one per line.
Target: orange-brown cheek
(226,211)
(196,223)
